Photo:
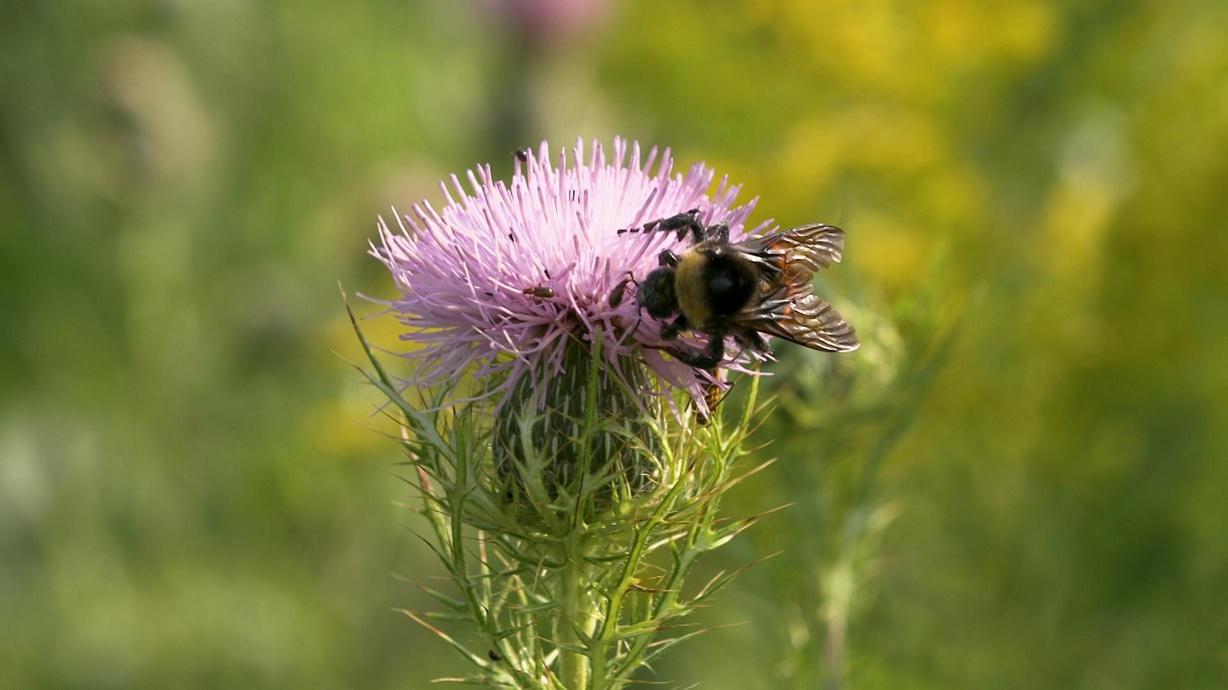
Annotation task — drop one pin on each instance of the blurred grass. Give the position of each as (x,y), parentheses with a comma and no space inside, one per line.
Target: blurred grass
(191,492)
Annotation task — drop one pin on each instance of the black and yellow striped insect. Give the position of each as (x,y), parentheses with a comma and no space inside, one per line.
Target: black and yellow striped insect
(761,285)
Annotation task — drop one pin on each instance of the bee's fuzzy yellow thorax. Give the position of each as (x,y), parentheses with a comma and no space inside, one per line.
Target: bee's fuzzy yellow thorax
(689,286)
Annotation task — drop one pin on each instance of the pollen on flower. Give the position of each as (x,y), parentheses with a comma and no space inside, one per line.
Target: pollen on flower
(495,283)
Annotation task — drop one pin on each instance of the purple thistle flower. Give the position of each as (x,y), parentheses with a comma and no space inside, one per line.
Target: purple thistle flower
(495,283)
(552,19)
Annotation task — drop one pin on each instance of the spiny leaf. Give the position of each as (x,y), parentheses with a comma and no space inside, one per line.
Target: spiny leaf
(470,656)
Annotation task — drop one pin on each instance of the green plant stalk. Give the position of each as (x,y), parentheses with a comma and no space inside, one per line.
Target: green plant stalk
(576,617)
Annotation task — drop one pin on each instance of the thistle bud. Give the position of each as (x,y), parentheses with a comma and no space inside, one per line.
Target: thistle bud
(586,430)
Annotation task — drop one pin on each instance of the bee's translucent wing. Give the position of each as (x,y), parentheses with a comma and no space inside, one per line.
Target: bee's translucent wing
(797,252)
(795,313)
(790,310)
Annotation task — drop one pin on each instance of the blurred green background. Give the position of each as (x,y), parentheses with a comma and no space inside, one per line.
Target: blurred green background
(1018,482)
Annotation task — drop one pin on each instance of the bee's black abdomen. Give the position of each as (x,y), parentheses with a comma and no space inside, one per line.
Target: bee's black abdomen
(728,284)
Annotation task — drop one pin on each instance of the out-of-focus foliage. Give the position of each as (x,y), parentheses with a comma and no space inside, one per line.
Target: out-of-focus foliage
(1018,482)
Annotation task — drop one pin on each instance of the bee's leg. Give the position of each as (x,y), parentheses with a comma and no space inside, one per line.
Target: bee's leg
(682,224)
(707,358)
(714,395)
(667,258)
(718,233)
(752,340)
(673,328)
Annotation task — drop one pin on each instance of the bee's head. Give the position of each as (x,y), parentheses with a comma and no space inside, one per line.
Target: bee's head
(656,293)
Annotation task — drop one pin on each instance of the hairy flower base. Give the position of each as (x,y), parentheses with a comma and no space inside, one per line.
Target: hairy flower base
(586,424)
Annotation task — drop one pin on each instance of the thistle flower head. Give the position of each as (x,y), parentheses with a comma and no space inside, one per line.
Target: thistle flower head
(587,500)
(506,274)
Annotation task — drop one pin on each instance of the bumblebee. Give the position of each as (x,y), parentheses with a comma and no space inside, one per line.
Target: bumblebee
(761,285)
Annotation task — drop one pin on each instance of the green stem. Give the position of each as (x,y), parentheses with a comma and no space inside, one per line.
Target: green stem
(599,669)
(577,615)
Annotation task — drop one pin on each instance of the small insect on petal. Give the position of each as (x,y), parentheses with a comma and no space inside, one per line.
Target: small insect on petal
(620,291)
(539,292)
